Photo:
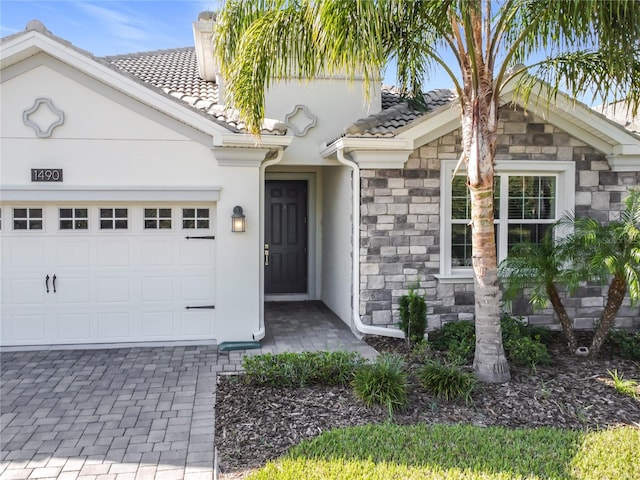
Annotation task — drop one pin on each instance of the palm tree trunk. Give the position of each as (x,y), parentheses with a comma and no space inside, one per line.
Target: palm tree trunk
(479,121)
(489,364)
(565,321)
(615,297)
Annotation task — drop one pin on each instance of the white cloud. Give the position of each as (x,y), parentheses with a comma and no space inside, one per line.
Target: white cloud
(123,25)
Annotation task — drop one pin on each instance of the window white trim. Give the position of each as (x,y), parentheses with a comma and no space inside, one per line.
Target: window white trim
(565,201)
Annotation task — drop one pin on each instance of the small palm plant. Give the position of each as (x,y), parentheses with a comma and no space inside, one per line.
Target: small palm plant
(610,253)
(542,269)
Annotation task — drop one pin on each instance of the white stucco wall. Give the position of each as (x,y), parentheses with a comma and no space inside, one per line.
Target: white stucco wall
(334,102)
(336,251)
(110,140)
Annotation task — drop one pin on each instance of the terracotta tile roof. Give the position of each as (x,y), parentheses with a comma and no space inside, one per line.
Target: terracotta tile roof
(175,72)
(396,113)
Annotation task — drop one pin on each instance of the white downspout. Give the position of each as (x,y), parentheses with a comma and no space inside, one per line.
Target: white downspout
(360,327)
(259,335)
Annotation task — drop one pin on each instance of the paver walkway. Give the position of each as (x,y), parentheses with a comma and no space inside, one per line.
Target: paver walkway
(135,413)
(131,413)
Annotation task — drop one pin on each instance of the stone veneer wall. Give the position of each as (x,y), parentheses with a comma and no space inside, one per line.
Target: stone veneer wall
(400,225)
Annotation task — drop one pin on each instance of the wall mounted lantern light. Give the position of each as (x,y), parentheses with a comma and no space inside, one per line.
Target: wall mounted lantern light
(237,220)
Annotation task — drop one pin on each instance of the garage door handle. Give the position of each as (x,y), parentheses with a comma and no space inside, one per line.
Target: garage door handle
(46,282)
(201,307)
(54,283)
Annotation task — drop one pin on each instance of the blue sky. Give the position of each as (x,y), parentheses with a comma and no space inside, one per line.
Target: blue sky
(105,27)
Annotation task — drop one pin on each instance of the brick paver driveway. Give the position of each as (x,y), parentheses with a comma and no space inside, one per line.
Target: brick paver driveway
(129,413)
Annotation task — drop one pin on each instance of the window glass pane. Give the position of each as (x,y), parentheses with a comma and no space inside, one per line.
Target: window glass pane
(27,219)
(195,218)
(150,224)
(532,197)
(165,212)
(460,245)
(74,218)
(165,224)
(526,233)
(460,198)
(108,218)
(150,212)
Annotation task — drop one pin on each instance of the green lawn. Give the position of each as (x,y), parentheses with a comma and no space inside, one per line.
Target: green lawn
(453,452)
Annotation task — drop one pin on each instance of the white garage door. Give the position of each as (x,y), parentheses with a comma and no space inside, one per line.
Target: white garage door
(107,273)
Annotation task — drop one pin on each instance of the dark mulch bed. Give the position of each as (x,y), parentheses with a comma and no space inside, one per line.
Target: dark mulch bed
(255,424)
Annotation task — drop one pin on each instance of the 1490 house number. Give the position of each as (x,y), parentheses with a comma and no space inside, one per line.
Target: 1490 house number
(46,174)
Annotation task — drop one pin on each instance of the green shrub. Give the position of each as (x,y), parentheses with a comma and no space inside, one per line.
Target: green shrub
(453,333)
(302,369)
(413,316)
(382,382)
(514,328)
(446,382)
(522,344)
(526,352)
(625,344)
(458,339)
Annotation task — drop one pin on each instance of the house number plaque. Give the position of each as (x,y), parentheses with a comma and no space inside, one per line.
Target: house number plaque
(46,174)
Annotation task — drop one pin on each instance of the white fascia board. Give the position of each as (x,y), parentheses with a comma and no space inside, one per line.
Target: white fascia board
(624,163)
(109,193)
(33,42)
(240,156)
(272,142)
(243,150)
(374,152)
(432,126)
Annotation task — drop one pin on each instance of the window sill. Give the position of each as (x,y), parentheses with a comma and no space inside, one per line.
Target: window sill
(455,277)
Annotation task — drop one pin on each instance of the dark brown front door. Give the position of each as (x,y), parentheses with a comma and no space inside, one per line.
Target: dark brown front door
(285,268)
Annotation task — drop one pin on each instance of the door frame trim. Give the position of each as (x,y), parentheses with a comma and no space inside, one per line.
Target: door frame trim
(312,243)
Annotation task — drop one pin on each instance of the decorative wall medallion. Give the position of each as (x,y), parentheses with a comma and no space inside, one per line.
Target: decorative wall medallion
(300,120)
(43,117)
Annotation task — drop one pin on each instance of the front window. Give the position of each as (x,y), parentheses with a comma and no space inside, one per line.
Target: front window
(528,199)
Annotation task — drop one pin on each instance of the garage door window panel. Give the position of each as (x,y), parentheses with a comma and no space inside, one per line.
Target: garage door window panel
(27,219)
(74,218)
(195,218)
(157,219)
(114,218)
